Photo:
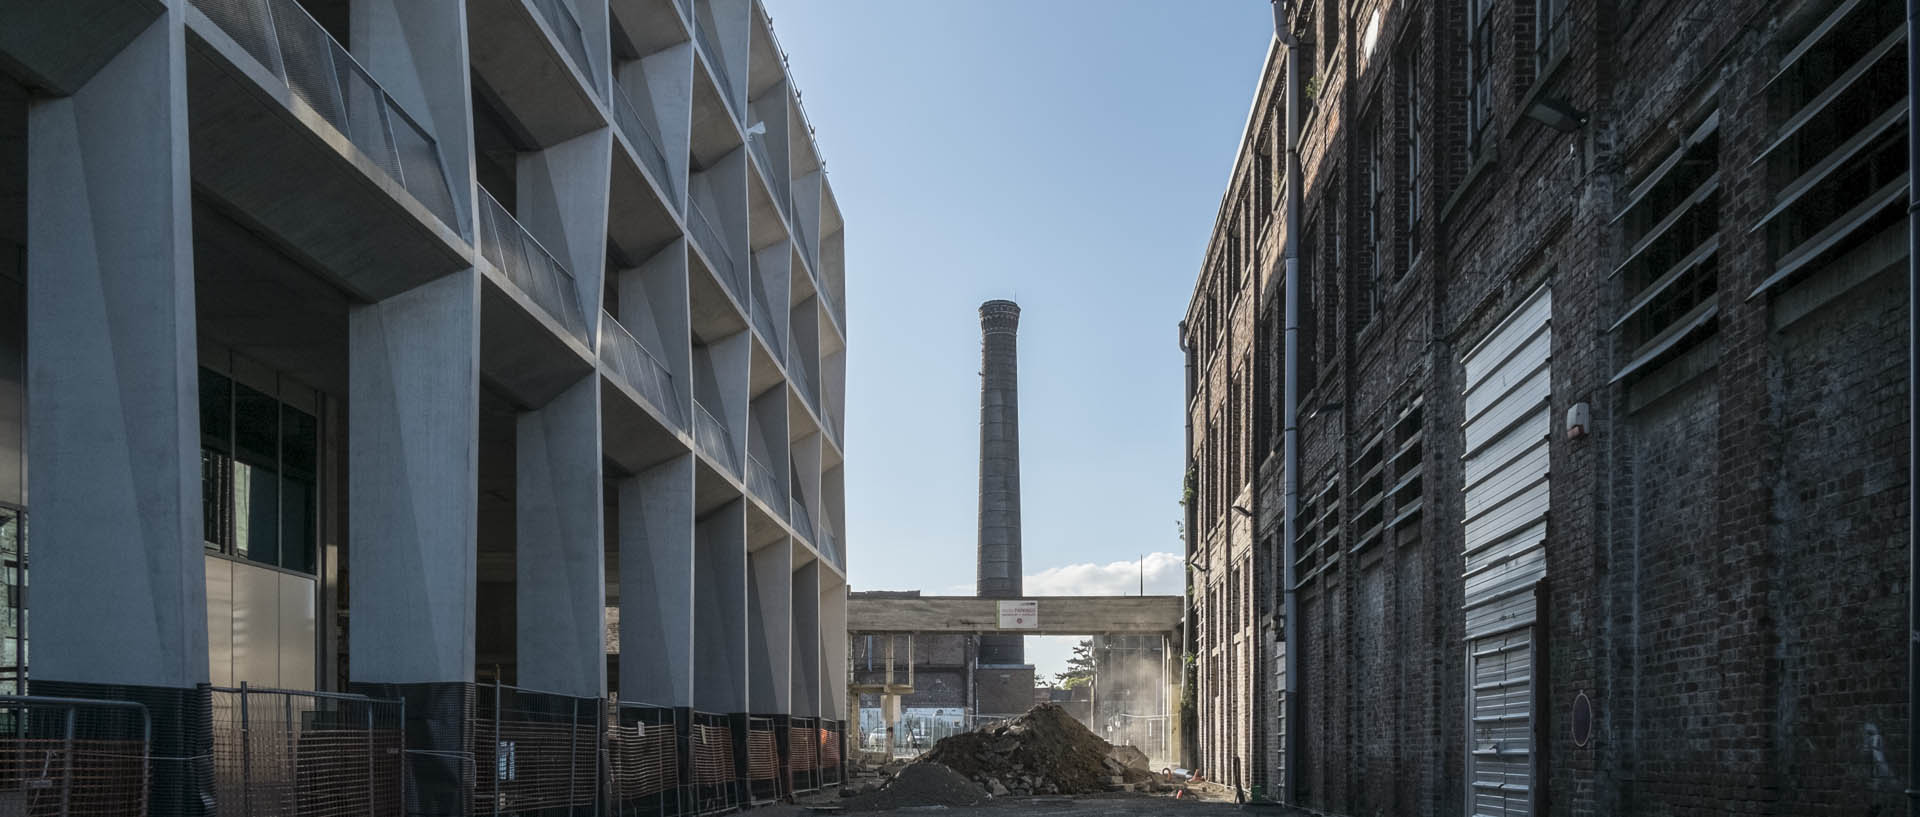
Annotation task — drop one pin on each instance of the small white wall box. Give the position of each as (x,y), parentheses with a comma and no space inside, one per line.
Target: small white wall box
(1578,416)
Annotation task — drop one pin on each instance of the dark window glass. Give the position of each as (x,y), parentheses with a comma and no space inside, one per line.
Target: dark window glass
(256,428)
(296,525)
(216,409)
(256,512)
(299,442)
(216,498)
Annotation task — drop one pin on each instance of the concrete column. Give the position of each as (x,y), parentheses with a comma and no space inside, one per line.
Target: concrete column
(560,560)
(833,646)
(806,639)
(417,51)
(656,585)
(413,422)
(112,397)
(770,628)
(720,610)
(562,200)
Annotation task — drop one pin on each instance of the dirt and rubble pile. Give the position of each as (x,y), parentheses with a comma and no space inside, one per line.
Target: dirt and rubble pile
(919,785)
(1045,751)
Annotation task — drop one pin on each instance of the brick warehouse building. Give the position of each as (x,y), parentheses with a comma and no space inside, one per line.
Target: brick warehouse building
(487,356)
(1674,224)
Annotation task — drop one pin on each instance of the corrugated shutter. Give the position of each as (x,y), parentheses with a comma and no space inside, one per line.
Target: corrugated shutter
(1508,422)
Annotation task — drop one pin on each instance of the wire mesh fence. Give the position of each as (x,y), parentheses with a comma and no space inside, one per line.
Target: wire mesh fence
(763,761)
(713,438)
(534,750)
(830,751)
(516,254)
(631,360)
(643,761)
(706,234)
(311,754)
(803,754)
(762,482)
(68,757)
(318,71)
(710,752)
(644,137)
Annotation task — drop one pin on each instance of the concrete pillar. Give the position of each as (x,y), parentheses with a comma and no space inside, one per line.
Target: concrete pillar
(720,610)
(113,403)
(833,646)
(806,639)
(417,51)
(560,558)
(771,628)
(656,585)
(413,469)
(562,201)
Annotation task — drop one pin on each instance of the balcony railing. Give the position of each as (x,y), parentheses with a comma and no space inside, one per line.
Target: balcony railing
(762,482)
(712,437)
(317,70)
(757,143)
(514,252)
(763,316)
(567,27)
(833,305)
(828,543)
(718,253)
(805,241)
(630,360)
(715,60)
(802,523)
(645,140)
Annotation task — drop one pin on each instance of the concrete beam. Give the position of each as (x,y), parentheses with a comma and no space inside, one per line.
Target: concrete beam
(1059,615)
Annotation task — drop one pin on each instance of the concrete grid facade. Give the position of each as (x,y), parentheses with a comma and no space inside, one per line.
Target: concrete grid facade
(1695,603)
(388,345)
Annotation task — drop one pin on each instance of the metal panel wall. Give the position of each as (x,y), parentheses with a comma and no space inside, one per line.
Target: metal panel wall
(1507,426)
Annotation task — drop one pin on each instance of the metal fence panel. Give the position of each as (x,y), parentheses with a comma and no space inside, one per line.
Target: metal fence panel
(643,761)
(307,754)
(534,750)
(709,750)
(63,757)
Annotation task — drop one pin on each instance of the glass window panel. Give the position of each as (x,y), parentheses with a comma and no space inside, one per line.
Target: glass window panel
(216,408)
(299,442)
(256,511)
(296,525)
(216,499)
(256,428)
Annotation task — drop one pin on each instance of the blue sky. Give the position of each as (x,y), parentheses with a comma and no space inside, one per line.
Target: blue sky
(1070,155)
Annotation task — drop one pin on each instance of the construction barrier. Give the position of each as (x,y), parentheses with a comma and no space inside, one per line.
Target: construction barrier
(803,753)
(709,746)
(70,757)
(533,751)
(830,752)
(643,761)
(311,754)
(763,761)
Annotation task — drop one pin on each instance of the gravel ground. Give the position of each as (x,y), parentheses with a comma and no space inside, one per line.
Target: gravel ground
(1114,805)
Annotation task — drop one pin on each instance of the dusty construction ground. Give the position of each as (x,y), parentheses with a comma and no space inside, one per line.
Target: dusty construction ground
(1105,805)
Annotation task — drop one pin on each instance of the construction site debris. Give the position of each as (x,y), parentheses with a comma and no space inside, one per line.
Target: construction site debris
(1045,751)
(918,785)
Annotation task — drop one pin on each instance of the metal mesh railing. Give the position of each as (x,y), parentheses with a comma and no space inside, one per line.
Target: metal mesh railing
(645,140)
(66,757)
(763,760)
(517,255)
(802,522)
(805,240)
(762,310)
(311,754)
(567,27)
(533,750)
(718,253)
(713,438)
(803,753)
(631,360)
(757,142)
(830,752)
(703,31)
(762,482)
(643,761)
(318,71)
(710,758)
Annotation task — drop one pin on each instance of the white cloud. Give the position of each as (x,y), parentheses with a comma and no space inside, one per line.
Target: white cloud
(1163,574)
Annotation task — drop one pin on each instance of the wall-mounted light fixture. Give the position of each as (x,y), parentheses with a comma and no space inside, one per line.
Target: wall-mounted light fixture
(1557,114)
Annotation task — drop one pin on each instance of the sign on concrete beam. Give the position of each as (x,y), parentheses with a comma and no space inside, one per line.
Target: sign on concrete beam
(1021,614)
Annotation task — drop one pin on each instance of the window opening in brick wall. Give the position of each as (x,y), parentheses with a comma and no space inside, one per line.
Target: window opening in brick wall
(1373,222)
(1369,491)
(1836,165)
(1310,292)
(1479,73)
(1552,34)
(1408,85)
(1317,531)
(1671,227)
(1407,465)
(1329,32)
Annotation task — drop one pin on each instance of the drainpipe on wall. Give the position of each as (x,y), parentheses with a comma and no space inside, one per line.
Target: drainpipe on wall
(1290,407)
(1913,412)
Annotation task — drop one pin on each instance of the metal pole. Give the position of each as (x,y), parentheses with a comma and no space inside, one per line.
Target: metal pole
(371,798)
(499,757)
(66,779)
(1290,410)
(1913,411)
(246,753)
(293,756)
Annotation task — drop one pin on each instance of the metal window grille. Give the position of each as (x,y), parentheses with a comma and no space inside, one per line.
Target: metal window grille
(516,254)
(643,761)
(710,756)
(636,365)
(713,438)
(321,73)
(312,754)
(65,757)
(534,750)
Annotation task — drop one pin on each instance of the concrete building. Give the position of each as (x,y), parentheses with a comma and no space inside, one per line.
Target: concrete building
(1601,501)
(395,345)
